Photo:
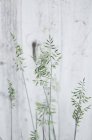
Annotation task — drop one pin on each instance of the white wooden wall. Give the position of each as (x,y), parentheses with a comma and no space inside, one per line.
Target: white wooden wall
(69,22)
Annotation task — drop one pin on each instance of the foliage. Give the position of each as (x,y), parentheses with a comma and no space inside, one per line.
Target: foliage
(43,111)
(19,58)
(79,100)
(49,58)
(11,91)
(46,64)
(20,66)
(19,55)
(34,135)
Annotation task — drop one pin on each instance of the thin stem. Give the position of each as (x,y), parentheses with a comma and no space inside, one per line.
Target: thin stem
(28,100)
(75,131)
(36,121)
(77,119)
(11,118)
(43,128)
(43,131)
(50,97)
(21,136)
(51,114)
(54,131)
(36,124)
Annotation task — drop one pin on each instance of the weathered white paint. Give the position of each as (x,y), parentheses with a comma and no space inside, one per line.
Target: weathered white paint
(76,64)
(8,24)
(69,22)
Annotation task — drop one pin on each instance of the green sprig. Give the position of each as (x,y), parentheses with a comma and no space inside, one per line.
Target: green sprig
(46,63)
(79,100)
(11,91)
(34,135)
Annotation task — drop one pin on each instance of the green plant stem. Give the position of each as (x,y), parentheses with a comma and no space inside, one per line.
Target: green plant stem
(21,136)
(36,121)
(53,131)
(76,120)
(76,124)
(51,114)
(75,131)
(43,130)
(50,98)
(11,118)
(28,100)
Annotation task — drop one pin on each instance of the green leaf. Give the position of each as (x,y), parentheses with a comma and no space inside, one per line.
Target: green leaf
(79,99)
(34,135)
